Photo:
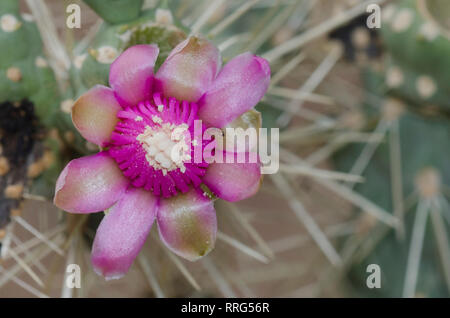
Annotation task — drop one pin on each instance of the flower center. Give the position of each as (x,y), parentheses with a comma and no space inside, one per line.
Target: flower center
(167,146)
(152,145)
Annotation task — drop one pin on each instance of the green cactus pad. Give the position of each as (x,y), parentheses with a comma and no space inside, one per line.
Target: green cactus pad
(116,11)
(424,143)
(24,71)
(421,50)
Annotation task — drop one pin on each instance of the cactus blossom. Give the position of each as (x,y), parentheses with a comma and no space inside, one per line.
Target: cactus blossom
(136,123)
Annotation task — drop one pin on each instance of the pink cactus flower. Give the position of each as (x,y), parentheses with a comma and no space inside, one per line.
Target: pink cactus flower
(134,179)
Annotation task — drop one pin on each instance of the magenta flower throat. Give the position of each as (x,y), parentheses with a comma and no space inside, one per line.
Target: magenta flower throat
(143,143)
(148,169)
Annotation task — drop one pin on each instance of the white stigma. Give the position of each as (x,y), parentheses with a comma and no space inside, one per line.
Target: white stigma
(156,119)
(166,146)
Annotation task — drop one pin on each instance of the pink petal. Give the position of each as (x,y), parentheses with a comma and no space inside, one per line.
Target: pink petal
(234,181)
(94,114)
(89,184)
(189,70)
(187,224)
(239,86)
(123,232)
(131,74)
(250,122)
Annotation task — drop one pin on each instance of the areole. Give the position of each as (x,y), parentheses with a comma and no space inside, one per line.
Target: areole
(434,11)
